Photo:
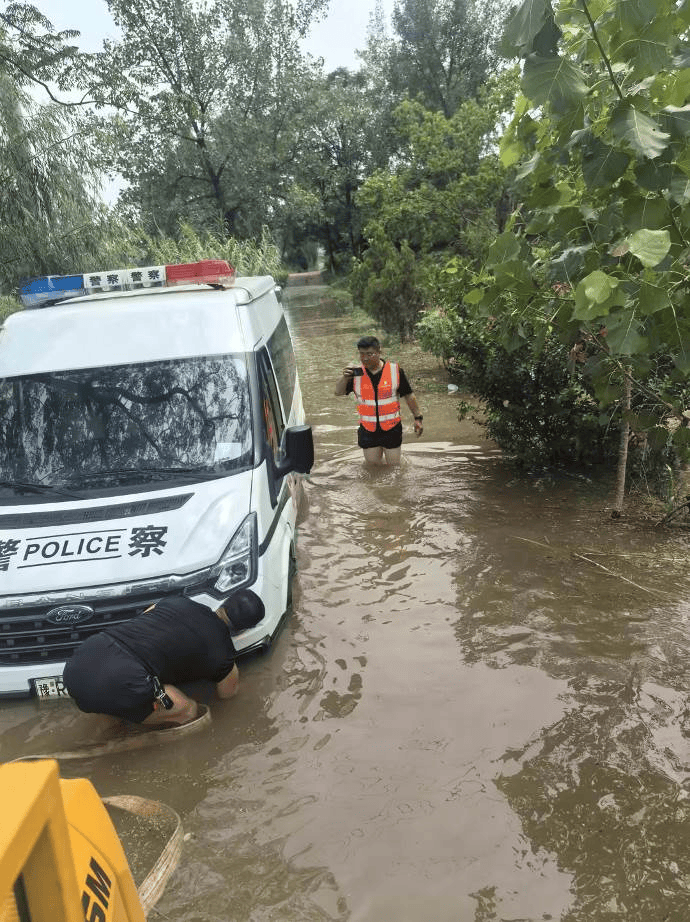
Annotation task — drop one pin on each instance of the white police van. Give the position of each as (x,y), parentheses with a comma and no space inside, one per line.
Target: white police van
(153,441)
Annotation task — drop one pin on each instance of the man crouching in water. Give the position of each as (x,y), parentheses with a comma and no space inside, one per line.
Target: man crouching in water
(130,670)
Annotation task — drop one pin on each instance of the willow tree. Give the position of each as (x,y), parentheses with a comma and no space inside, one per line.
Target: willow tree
(48,211)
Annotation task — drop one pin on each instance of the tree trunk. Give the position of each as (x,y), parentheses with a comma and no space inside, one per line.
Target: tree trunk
(619,495)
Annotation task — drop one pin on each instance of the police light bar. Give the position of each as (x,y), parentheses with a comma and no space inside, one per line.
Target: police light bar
(51,289)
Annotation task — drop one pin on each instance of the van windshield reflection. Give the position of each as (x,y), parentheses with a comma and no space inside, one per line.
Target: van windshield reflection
(127,424)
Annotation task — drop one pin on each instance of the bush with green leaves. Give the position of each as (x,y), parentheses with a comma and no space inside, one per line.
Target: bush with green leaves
(386,285)
(537,411)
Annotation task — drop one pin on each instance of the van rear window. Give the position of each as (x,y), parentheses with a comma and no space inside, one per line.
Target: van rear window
(126,424)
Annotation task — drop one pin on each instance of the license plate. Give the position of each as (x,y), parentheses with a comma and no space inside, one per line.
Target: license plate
(49,687)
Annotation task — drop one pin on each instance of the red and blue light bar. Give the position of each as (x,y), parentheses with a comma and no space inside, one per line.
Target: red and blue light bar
(51,289)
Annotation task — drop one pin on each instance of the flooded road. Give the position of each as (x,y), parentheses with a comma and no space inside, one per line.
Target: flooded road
(474,712)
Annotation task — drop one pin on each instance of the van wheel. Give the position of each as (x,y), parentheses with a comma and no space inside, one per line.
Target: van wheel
(292,570)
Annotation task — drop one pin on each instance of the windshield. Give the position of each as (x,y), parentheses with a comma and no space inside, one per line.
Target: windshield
(130,424)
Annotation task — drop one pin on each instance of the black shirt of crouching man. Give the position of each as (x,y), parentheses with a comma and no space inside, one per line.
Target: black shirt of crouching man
(178,640)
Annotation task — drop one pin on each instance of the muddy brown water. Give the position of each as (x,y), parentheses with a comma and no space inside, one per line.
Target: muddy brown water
(462,720)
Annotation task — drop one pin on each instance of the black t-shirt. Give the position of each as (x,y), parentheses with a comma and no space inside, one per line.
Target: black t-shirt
(179,640)
(404,388)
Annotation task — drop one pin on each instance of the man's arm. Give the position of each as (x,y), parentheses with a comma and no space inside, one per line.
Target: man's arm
(342,382)
(411,401)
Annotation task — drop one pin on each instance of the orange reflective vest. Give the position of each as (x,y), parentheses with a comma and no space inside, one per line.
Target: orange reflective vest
(387,407)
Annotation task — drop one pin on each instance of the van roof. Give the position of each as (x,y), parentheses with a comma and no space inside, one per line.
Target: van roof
(48,290)
(245,288)
(129,327)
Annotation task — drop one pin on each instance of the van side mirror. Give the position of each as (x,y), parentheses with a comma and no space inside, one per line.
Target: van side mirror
(299,451)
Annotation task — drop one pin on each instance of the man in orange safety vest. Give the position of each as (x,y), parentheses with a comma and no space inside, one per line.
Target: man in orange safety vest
(378,386)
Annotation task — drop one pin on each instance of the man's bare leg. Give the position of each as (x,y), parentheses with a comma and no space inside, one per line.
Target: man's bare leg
(373,455)
(228,686)
(183,710)
(392,455)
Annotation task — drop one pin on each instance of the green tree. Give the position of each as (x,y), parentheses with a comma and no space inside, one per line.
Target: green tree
(338,136)
(445,49)
(437,209)
(206,94)
(48,171)
(598,252)
(441,51)
(33,53)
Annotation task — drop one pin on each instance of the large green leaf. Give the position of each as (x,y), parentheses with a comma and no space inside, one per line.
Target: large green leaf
(653,176)
(658,437)
(606,393)
(681,438)
(567,219)
(514,275)
(650,246)
(505,247)
(545,196)
(602,164)
(595,295)
(511,151)
(553,80)
(546,41)
(677,119)
(647,53)
(569,263)
(676,86)
(523,28)
(652,298)
(623,334)
(528,167)
(680,189)
(646,211)
(638,130)
(636,15)
(539,223)
(683,161)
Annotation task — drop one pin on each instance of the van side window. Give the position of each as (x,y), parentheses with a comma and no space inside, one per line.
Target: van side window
(271,413)
(283,357)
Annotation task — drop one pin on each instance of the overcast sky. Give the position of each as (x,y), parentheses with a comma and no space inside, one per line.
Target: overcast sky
(335,39)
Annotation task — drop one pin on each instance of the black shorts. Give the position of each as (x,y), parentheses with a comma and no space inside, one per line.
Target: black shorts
(388,438)
(105,678)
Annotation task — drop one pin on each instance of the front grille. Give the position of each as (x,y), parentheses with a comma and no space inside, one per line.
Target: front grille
(27,638)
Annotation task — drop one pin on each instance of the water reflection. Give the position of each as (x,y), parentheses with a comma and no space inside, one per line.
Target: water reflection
(475,712)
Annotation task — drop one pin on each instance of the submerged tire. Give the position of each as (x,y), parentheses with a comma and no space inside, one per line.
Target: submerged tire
(292,572)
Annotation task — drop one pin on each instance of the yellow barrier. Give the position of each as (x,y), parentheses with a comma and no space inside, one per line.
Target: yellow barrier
(60,857)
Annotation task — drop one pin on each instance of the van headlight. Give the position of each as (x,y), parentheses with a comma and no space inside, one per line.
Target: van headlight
(237,566)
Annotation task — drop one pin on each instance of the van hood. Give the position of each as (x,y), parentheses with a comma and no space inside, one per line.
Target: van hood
(178,531)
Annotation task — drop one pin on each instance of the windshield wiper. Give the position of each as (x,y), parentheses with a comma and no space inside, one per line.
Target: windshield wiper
(196,471)
(152,471)
(22,486)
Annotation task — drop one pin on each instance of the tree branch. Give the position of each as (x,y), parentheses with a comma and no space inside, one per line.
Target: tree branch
(595,36)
